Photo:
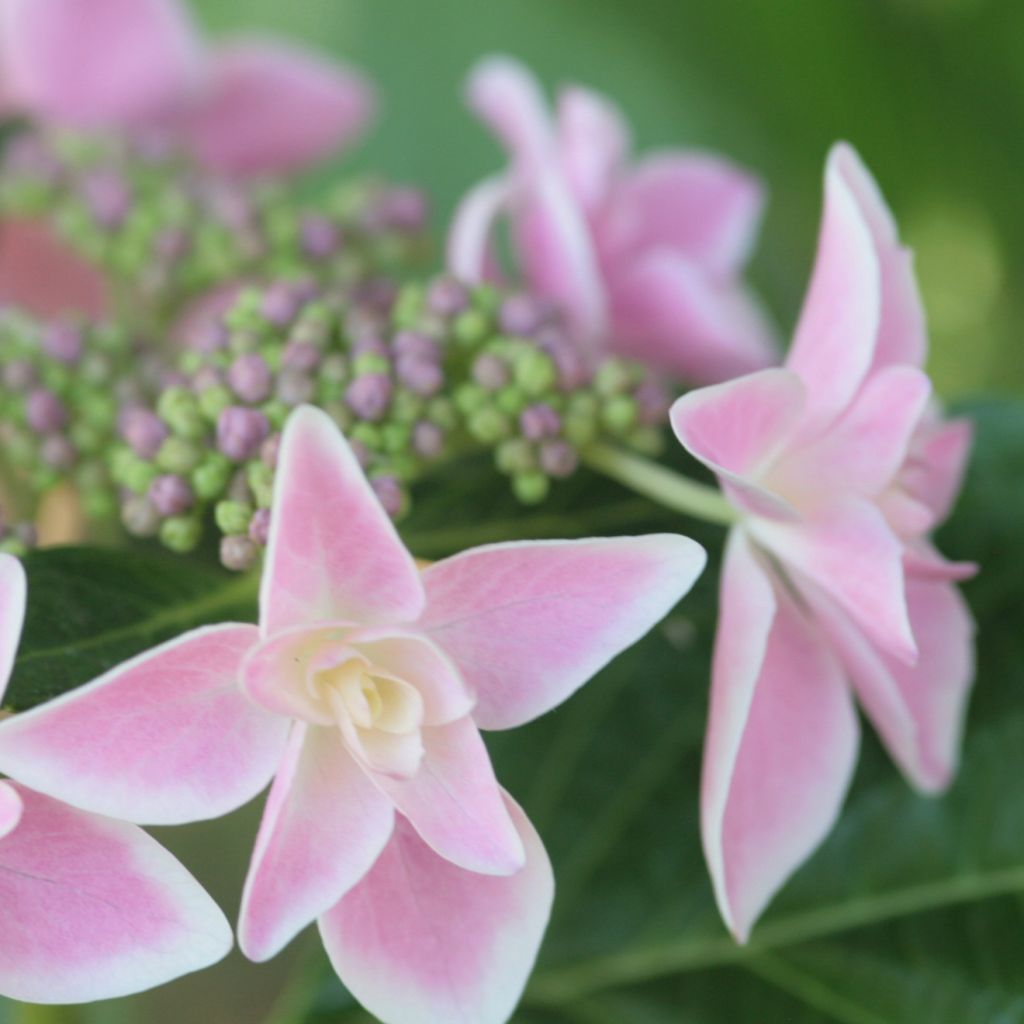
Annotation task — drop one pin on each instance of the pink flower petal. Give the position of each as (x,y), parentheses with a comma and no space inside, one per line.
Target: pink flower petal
(454,802)
(782,742)
(10,808)
(918,709)
(470,241)
(420,940)
(272,109)
(333,552)
(738,429)
(95,908)
(40,274)
(528,623)
(12,614)
(938,459)
(669,312)
(165,738)
(324,826)
(593,143)
(694,204)
(835,338)
(97,63)
(854,556)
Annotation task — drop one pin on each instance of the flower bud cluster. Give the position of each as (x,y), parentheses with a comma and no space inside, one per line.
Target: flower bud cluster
(163,231)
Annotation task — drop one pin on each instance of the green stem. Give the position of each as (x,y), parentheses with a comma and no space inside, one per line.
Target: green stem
(660,484)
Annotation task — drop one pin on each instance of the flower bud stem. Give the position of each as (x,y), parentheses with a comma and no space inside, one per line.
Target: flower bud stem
(660,484)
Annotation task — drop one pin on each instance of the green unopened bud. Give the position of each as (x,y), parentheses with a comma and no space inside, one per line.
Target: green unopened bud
(531,487)
(647,440)
(470,328)
(138,475)
(370,362)
(619,414)
(179,409)
(367,435)
(232,516)
(214,400)
(442,412)
(515,456)
(395,437)
(488,425)
(176,455)
(470,397)
(612,377)
(261,480)
(535,372)
(579,428)
(512,400)
(211,476)
(276,412)
(180,533)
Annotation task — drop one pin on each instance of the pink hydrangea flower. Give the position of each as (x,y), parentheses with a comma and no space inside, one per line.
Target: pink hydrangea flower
(839,467)
(362,693)
(92,908)
(643,259)
(246,106)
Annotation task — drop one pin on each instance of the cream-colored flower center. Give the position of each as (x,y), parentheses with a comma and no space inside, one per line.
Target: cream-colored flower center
(369,699)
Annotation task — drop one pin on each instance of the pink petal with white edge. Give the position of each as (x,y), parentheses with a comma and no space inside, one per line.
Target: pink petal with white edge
(528,623)
(919,709)
(471,254)
(593,142)
(853,555)
(165,738)
(835,339)
(273,109)
(454,802)
(100,63)
(670,312)
(781,746)
(324,826)
(698,205)
(738,429)
(95,908)
(902,334)
(10,808)
(934,471)
(420,941)
(333,553)
(12,614)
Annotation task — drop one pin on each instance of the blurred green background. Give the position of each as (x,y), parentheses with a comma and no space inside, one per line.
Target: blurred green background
(930,91)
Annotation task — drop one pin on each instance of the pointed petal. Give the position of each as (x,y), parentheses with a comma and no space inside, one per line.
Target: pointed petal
(333,553)
(324,826)
(471,237)
(422,940)
(165,738)
(106,63)
(917,709)
(454,801)
(273,109)
(95,908)
(738,429)
(697,205)
(669,312)
(528,623)
(593,142)
(12,614)
(854,556)
(835,338)
(782,742)
(934,472)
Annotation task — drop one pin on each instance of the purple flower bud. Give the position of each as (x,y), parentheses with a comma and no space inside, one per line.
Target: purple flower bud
(428,439)
(250,378)
(415,345)
(45,412)
(446,297)
(368,342)
(390,494)
(62,341)
(270,449)
(295,387)
(421,376)
(320,237)
(300,355)
(539,421)
(557,458)
(19,374)
(108,197)
(522,315)
(369,396)
(490,371)
(569,361)
(57,452)
(259,527)
(172,379)
(404,209)
(280,304)
(377,294)
(144,431)
(237,552)
(208,334)
(207,377)
(652,402)
(170,495)
(241,431)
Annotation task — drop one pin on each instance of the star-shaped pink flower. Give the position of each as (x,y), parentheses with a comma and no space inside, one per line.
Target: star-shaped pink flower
(840,467)
(362,692)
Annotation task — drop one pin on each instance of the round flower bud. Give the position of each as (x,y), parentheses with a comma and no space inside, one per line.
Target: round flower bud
(539,421)
(170,495)
(491,371)
(530,487)
(232,516)
(144,431)
(237,552)
(45,412)
(62,341)
(369,396)
(250,379)
(180,533)
(558,458)
(428,439)
(259,527)
(241,431)
(447,297)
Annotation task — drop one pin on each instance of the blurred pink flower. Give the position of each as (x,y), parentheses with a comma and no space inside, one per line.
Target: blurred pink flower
(249,106)
(644,258)
(361,694)
(840,468)
(92,908)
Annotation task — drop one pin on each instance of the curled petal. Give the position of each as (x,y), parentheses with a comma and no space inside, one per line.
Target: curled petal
(273,109)
(529,623)
(165,738)
(593,142)
(333,553)
(422,940)
(781,745)
(95,908)
(470,240)
(323,827)
(12,614)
